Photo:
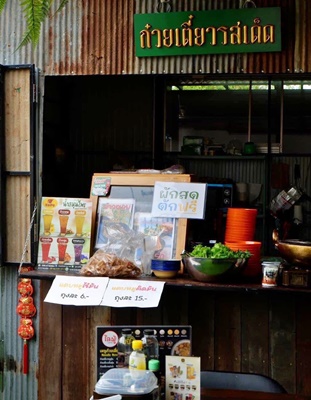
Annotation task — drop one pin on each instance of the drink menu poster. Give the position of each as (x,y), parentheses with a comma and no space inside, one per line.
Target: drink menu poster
(65,233)
(173,340)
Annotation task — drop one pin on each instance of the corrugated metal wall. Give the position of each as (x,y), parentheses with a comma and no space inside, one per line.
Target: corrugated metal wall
(15,385)
(96,37)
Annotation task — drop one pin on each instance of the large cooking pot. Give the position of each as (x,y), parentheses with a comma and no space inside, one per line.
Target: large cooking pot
(294,251)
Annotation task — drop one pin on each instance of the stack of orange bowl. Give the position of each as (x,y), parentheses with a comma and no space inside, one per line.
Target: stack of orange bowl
(241,224)
(253,268)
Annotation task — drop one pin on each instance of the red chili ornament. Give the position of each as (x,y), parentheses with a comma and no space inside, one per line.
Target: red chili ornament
(25,287)
(25,329)
(25,309)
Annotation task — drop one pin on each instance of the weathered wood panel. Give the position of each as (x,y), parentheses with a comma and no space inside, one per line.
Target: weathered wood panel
(202,308)
(51,374)
(303,345)
(282,341)
(74,348)
(262,332)
(227,332)
(254,331)
(17,144)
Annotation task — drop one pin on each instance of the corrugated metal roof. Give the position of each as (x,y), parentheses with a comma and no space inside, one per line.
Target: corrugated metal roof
(96,37)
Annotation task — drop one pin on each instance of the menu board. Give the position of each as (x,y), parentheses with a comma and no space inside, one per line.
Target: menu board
(65,233)
(173,340)
(182,378)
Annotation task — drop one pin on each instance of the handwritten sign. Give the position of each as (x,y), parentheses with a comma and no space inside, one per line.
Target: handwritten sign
(95,291)
(76,290)
(179,200)
(131,293)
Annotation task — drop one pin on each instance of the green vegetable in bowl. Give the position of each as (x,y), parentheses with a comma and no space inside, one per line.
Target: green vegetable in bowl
(219,250)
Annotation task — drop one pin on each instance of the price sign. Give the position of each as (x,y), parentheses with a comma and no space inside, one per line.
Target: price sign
(76,290)
(131,293)
(95,291)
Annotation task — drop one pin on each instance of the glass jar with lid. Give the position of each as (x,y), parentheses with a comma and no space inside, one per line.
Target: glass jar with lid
(125,347)
(150,345)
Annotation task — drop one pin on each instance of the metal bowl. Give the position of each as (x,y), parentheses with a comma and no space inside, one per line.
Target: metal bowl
(294,251)
(213,269)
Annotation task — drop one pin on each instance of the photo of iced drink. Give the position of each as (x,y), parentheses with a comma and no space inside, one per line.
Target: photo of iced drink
(79,218)
(63,221)
(47,221)
(45,247)
(62,246)
(78,246)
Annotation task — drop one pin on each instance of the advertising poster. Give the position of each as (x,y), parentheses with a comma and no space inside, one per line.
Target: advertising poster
(65,233)
(159,233)
(182,378)
(173,340)
(114,216)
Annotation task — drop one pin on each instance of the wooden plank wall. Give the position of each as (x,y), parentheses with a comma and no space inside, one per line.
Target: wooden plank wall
(267,333)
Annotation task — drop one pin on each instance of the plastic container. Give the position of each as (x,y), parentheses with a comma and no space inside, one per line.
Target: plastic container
(125,347)
(270,273)
(121,381)
(150,345)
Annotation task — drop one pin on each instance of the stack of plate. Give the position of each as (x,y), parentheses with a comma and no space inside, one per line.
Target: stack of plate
(241,224)
(253,267)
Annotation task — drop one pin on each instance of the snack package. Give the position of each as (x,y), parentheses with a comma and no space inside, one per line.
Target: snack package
(124,255)
(110,265)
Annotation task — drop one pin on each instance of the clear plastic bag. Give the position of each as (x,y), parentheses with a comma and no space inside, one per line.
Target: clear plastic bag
(126,254)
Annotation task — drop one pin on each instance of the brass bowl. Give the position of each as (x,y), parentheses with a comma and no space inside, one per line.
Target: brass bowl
(295,252)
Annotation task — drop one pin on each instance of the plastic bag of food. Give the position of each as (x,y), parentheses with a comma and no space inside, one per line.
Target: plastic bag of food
(110,265)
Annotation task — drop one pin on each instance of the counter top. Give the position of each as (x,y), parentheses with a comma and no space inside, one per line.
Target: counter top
(182,281)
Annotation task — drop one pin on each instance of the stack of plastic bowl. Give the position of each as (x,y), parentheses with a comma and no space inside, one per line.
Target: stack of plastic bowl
(253,269)
(241,224)
(165,268)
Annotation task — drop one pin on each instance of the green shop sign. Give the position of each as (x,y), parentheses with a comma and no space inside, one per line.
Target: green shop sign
(243,30)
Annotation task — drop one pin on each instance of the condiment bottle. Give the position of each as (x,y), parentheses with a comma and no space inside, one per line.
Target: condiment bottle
(154,366)
(150,345)
(125,347)
(137,359)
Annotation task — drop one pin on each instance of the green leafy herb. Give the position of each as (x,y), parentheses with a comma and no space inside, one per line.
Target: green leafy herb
(219,250)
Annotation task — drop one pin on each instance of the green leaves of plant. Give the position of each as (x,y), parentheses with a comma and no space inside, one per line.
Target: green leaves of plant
(34,12)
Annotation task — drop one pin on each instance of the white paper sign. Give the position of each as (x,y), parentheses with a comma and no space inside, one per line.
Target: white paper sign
(179,200)
(131,293)
(76,290)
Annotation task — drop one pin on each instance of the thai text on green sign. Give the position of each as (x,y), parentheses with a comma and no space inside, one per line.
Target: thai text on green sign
(244,30)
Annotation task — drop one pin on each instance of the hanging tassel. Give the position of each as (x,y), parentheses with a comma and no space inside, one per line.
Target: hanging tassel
(25,357)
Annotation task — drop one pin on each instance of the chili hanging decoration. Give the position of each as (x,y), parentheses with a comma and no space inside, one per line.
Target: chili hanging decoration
(26,310)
